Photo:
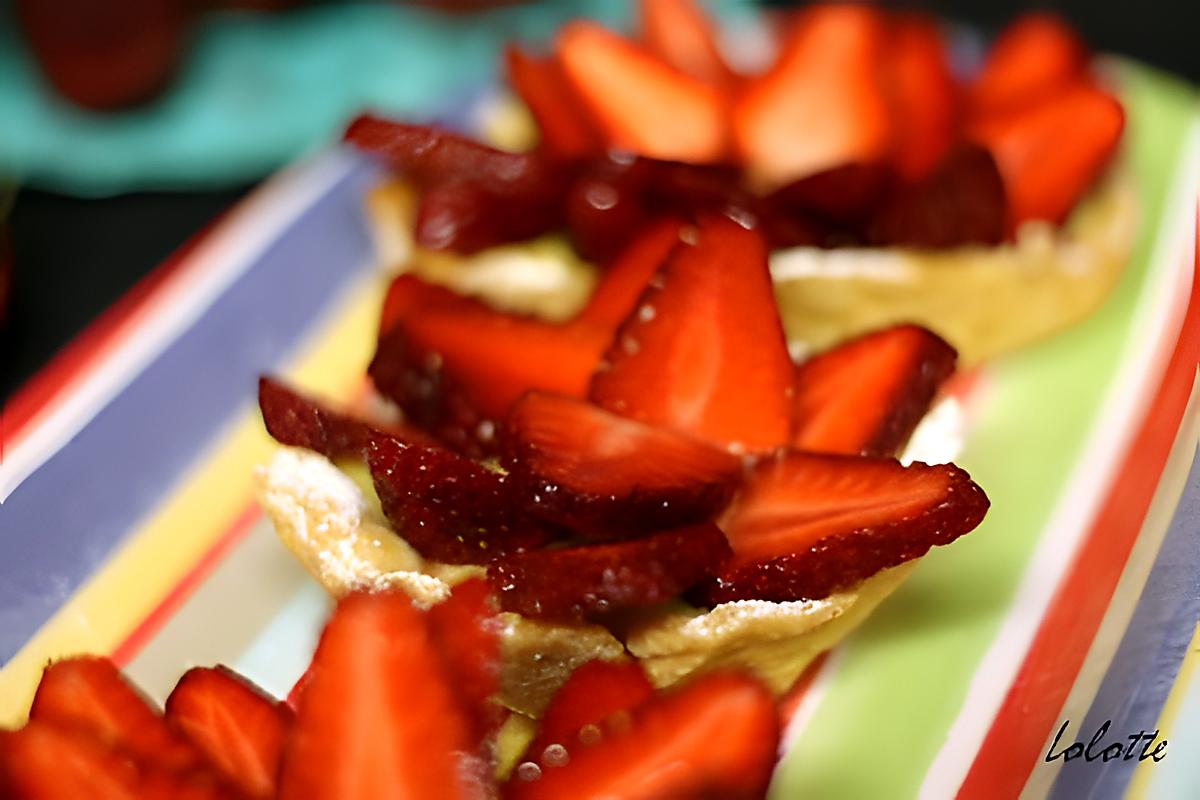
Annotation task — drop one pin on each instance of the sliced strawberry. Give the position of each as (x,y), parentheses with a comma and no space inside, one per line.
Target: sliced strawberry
(379,717)
(1036,56)
(540,83)
(806,525)
(866,396)
(237,726)
(456,372)
(464,217)
(593,694)
(822,104)
(641,104)
(613,197)
(704,352)
(467,631)
(432,156)
(408,294)
(609,477)
(1051,153)
(89,694)
(961,203)
(449,508)
(921,95)
(716,737)
(623,282)
(575,583)
(841,198)
(46,761)
(682,35)
(299,421)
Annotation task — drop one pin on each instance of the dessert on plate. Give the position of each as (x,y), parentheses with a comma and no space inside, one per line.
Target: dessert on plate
(651,376)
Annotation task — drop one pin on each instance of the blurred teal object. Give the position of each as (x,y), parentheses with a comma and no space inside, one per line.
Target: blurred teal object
(258,90)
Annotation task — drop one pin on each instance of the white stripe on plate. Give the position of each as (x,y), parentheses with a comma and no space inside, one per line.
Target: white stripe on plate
(1141,368)
(216,262)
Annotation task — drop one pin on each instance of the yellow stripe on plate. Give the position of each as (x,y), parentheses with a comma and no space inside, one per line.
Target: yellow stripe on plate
(192,517)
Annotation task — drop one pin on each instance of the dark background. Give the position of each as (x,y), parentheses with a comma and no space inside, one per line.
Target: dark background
(74,257)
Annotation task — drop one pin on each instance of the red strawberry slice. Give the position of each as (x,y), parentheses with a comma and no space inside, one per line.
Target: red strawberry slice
(237,726)
(378,717)
(866,396)
(448,507)
(540,83)
(806,525)
(961,203)
(89,694)
(921,95)
(641,104)
(841,198)
(594,694)
(822,104)
(432,156)
(408,294)
(682,35)
(456,372)
(575,583)
(299,421)
(605,476)
(623,282)
(704,351)
(1036,56)
(1051,153)
(716,737)
(467,631)
(612,198)
(464,217)
(45,761)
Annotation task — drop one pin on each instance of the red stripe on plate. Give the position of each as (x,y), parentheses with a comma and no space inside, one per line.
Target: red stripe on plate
(1018,732)
(166,608)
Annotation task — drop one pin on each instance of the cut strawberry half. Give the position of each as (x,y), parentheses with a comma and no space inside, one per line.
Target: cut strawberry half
(593,695)
(605,476)
(806,525)
(449,508)
(431,156)
(682,35)
(407,294)
(921,94)
(566,131)
(865,397)
(716,737)
(464,217)
(841,198)
(623,282)
(1051,153)
(822,104)
(961,203)
(45,761)
(588,582)
(456,372)
(237,726)
(89,694)
(1036,56)
(378,717)
(641,104)
(704,351)
(612,198)
(298,421)
(467,631)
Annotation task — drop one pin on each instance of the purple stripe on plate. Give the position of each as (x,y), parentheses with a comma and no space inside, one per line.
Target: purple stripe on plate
(1147,661)
(65,520)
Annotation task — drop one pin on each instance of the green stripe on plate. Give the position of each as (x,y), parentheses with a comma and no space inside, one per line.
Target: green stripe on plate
(902,677)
